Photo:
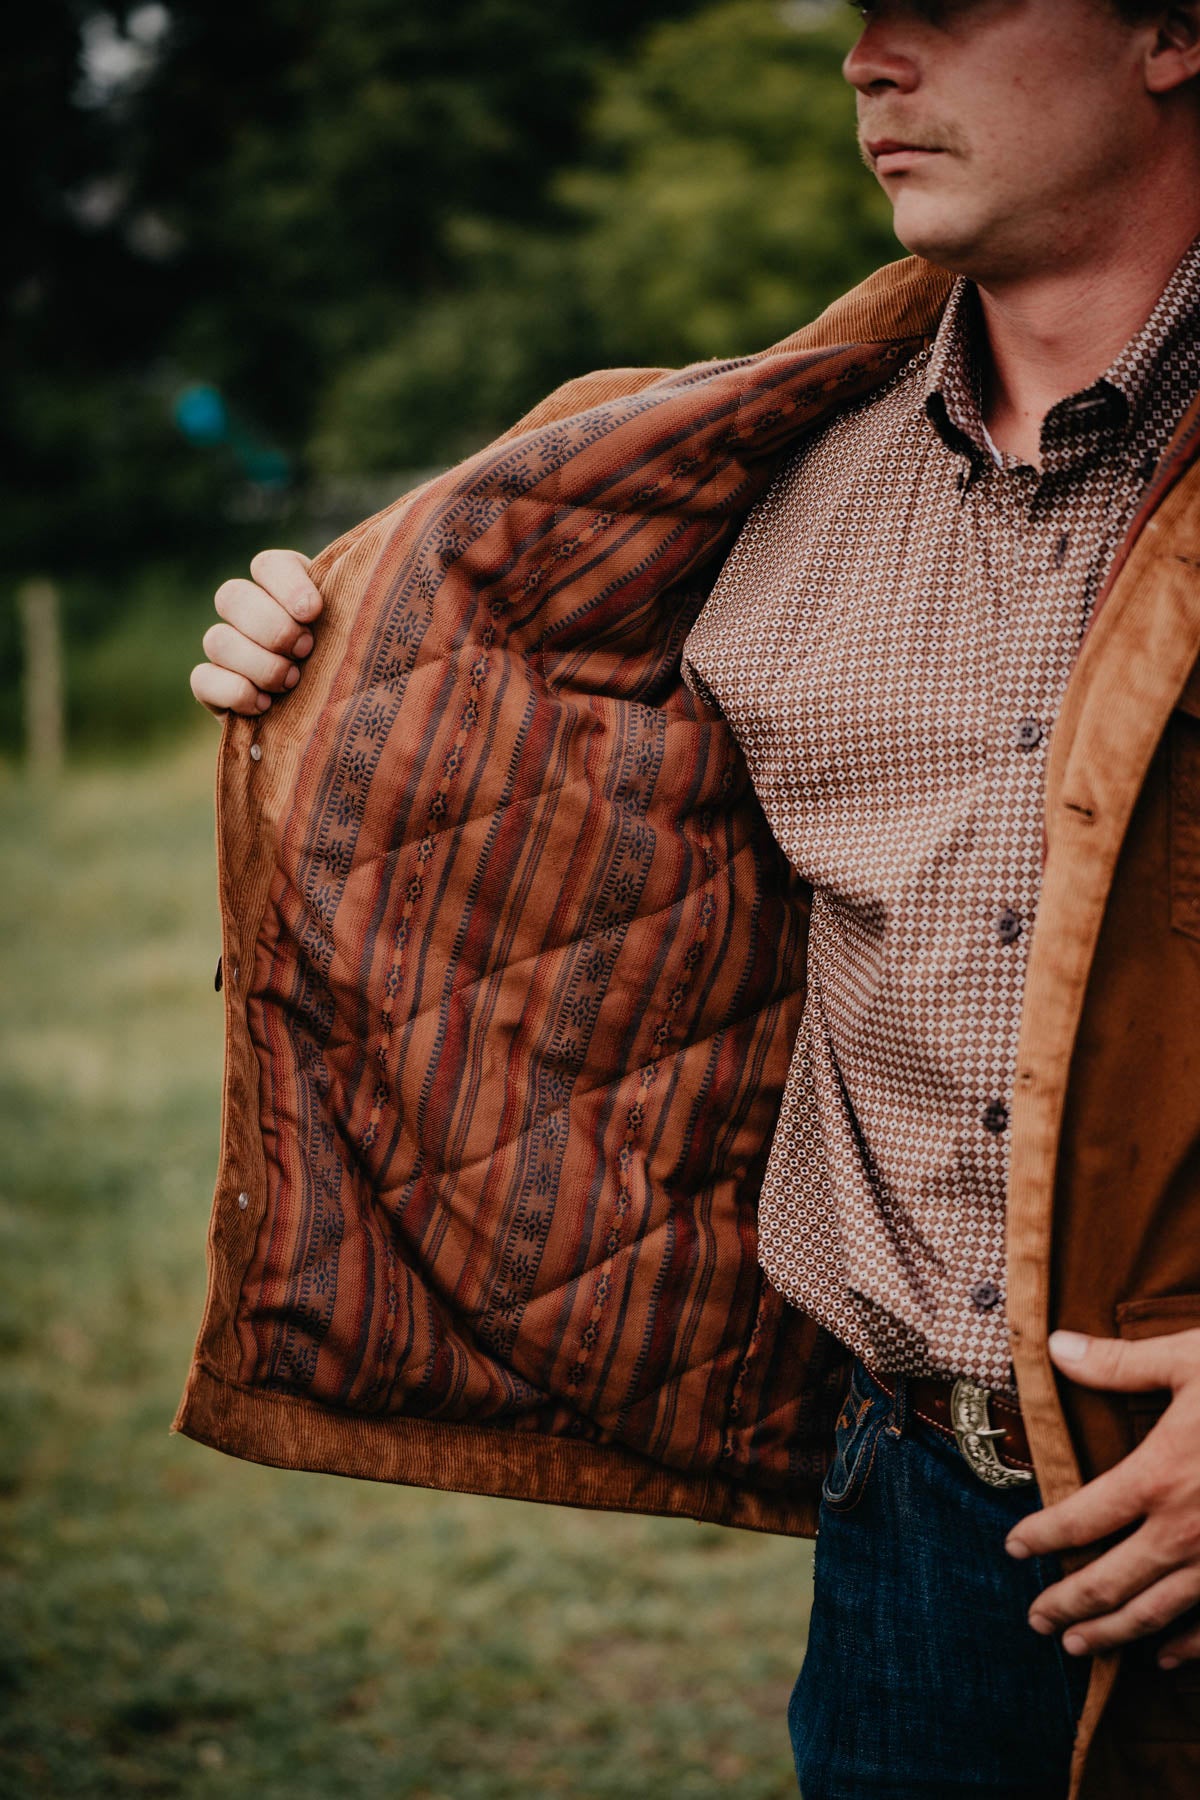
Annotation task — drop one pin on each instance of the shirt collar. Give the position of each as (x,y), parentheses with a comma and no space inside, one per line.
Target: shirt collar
(1177,315)
(951,388)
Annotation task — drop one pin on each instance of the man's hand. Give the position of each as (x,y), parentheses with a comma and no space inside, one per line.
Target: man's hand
(1147,1581)
(258,650)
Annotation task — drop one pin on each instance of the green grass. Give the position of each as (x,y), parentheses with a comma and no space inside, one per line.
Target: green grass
(177,1623)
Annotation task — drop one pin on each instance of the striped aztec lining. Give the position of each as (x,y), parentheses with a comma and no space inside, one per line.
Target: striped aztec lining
(532,964)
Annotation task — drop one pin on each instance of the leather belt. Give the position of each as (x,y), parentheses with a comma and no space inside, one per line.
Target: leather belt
(959,1411)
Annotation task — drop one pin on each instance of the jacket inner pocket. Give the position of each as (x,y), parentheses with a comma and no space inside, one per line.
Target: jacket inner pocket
(1154,1318)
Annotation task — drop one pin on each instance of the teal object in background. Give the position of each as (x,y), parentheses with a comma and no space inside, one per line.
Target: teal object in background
(204,419)
(201,414)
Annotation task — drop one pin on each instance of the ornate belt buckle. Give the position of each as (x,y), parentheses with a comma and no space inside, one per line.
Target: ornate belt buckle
(975,1435)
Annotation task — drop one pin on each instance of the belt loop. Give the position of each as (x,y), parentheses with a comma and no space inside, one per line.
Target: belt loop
(899,1419)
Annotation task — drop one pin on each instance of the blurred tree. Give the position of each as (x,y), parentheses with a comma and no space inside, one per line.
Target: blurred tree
(244,198)
(725,200)
(81,299)
(239,200)
(318,199)
(717,202)
(362,236)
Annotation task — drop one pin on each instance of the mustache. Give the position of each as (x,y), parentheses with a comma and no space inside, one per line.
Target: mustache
(922,137)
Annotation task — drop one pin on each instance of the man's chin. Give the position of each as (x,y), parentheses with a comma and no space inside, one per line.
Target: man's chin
(937,233)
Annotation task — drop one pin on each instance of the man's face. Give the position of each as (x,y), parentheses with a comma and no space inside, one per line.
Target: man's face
(1001,130)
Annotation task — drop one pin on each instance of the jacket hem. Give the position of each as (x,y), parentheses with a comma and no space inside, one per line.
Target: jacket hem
(286,1431)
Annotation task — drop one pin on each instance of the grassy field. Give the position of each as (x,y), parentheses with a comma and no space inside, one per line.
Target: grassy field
(177,1623)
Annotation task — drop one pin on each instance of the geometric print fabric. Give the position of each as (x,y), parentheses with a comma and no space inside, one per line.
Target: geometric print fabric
(890,640)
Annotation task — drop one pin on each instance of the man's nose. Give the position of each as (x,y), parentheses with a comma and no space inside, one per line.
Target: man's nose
(879,60)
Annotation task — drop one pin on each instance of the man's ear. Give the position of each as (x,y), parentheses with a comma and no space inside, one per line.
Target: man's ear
(1174,57)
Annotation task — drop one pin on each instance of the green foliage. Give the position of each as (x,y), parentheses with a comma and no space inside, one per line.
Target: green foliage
(717,202)
(174,1622)
(256,198)
(464,364)
(380,233)
(126,677)
(129,640)
(726,204)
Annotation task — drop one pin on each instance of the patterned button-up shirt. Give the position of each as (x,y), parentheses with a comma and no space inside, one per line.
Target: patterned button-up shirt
(890,640)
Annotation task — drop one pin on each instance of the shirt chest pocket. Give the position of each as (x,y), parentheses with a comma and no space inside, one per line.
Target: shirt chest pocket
(1184,751)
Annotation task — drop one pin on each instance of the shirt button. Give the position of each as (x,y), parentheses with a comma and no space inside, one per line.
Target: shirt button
(995,1117)
(1008,926)
(1027,734)
(985,1296)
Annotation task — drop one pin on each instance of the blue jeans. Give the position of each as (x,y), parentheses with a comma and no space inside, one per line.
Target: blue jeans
(922,1677)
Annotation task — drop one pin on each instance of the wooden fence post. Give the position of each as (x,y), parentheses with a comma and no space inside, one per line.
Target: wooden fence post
(41,630)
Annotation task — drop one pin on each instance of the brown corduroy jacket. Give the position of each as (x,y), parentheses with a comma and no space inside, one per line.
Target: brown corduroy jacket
(513,967)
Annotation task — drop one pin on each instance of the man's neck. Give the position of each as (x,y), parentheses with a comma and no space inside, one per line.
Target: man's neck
(1054,333)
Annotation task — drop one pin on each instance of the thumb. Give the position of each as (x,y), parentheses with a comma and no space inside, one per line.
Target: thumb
(1129,1366)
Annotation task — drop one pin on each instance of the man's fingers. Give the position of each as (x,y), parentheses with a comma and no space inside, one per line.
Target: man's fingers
(1109,1503)
(282,573)
(1118,1576)
(255,653)
(1128,1366)
(252,611)
(1153,1610)
(231,649)
(222,691)
(1145,1584)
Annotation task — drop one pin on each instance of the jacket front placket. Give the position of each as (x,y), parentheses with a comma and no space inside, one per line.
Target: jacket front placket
(1135,661)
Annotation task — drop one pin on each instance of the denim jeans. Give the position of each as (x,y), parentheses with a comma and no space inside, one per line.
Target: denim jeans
(922,1677)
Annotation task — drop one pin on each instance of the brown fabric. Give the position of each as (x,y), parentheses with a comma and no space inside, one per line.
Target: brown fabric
(1133,668)
(290,1433)
(449,1210)
(1096,1240)
(1124,1252)
(892,680)
(929,1400)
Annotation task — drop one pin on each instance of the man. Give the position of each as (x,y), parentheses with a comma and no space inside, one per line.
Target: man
(956,645)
